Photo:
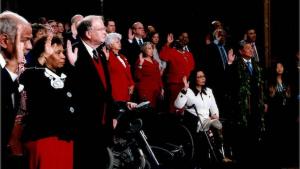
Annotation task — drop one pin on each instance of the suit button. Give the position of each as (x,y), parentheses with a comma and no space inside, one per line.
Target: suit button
(69,94)
(72,110)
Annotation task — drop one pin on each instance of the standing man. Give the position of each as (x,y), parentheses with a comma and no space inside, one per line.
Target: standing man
(110,26)
(246,120)
(215,62)
(250,37)
(15,35)
(93,93)
(136,39)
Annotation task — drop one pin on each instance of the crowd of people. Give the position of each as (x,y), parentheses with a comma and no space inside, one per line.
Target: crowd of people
(59,89)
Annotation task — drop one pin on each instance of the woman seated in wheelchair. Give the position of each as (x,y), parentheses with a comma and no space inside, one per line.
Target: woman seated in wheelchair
(201,113)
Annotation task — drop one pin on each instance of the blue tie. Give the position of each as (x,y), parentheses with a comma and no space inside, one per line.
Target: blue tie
(140,42)
(250,68)
(223,55)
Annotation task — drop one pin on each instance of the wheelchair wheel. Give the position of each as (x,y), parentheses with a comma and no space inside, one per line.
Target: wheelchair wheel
(177,143)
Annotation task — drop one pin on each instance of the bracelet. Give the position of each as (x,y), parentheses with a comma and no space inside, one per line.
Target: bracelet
(140,66)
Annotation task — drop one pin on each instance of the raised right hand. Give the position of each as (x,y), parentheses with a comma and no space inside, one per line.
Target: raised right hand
(170,38)
(12,64)
(72,56)
(185,83)
(130,34)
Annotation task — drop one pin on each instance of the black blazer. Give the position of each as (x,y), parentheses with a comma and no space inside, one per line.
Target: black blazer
(89,87)
(51,112)
(93,101)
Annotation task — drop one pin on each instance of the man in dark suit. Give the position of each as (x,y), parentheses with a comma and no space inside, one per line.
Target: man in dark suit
(15,42)
(215,62)
(136,38)
(93,93)
(250,37)
(245,127)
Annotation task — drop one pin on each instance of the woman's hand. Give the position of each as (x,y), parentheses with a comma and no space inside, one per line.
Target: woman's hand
(185,83)
(131,105)
(131,89)
(141,59)
(106,52)
(170,39)
(214,116)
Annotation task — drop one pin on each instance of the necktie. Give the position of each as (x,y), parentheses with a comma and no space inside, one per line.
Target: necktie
(140,42)
(95,56)
(250,68)
(223,55)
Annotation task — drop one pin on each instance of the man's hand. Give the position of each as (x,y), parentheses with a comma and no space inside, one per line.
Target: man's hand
(130,34)
(12,64)
(72,56)
(231,56)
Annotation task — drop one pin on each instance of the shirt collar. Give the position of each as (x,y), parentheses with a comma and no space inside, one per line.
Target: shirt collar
(245,60)
(13,75)
(2,61)
(137,39)
(88,48)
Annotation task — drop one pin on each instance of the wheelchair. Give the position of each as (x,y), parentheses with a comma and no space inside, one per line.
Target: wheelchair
(144,142)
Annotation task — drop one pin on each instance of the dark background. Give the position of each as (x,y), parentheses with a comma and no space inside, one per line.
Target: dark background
(190,15)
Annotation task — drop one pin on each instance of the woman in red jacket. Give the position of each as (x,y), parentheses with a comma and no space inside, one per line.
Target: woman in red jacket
(180,63)
(148,78)
(119,69)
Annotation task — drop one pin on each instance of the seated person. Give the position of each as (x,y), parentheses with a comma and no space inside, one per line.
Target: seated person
(198,100)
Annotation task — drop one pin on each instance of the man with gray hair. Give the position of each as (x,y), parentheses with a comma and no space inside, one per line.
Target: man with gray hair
(93,93)
(15,35)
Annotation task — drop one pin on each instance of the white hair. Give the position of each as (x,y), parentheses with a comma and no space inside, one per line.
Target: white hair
(111,37)
(8,23)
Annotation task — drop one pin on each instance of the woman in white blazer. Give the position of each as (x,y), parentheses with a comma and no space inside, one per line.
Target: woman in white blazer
(198,101)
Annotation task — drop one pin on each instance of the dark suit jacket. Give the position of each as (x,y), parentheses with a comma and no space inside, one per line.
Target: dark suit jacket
(93,101)
(9,94)
(214,71)
(132,51)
